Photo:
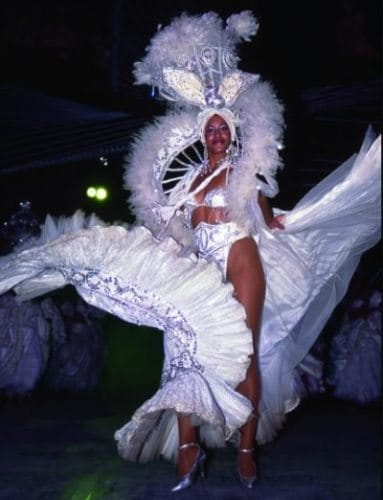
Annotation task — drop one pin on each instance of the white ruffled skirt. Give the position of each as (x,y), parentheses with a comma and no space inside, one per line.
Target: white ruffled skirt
(130,274)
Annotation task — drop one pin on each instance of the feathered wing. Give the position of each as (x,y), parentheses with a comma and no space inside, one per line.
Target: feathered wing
(171,135)
(146,168)
(234,84)
(186,84)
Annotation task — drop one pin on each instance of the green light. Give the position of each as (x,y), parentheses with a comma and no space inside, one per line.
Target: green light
(101,194)
(91,192)
(95,486)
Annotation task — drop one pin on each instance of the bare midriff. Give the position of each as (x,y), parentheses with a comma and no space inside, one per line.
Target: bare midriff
(210,215)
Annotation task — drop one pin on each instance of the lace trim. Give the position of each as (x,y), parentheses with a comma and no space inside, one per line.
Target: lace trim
(142,306)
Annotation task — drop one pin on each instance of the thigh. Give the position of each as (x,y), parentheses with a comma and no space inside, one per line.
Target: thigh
(245,272)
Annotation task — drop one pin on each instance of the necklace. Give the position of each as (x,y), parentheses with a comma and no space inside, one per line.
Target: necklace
(206,169)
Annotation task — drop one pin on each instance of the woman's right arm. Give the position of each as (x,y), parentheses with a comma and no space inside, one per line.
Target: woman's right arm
(267,211)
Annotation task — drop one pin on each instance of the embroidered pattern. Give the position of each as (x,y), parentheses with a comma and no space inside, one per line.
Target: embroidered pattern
(135,304)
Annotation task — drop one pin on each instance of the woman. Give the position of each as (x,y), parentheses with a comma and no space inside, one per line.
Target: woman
(219,209)
(236,253)
(216,206)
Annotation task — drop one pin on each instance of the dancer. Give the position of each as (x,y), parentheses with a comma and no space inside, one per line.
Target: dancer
(226,244)
(240,295)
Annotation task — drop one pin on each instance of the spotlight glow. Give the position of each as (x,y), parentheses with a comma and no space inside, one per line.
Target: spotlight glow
(91,192)
(101,194)
(98,193)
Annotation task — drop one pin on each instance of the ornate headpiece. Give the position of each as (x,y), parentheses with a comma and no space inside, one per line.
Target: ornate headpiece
(193,63)
(194,60)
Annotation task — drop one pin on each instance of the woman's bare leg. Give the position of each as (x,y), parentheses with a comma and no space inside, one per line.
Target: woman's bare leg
(245,272)
(187,434)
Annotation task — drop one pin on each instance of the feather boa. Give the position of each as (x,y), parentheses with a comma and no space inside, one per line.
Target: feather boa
(262,128)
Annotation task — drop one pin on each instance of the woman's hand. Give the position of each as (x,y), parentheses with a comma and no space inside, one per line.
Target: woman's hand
(277,222)
(273,222)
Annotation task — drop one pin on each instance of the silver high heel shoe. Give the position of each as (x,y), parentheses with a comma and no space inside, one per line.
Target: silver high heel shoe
(197,468)
(248,482)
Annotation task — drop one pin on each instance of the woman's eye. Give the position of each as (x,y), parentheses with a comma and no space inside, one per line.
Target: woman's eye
(223,128)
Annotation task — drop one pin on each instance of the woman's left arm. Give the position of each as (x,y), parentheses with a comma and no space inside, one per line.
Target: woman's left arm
(267,211)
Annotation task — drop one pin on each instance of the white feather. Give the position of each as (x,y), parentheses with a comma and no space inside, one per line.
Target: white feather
(243,25)
(262,126)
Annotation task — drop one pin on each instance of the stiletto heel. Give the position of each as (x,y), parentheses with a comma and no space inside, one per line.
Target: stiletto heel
(196,470)
(248,482)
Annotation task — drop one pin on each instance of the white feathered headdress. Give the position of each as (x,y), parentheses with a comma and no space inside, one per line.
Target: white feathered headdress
(193,62)
(195,56)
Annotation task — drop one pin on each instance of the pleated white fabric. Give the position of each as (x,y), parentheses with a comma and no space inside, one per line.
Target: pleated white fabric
(134,277)
(308,268)
(128,273)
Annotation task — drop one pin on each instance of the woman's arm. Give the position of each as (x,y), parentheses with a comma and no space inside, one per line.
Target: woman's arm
(267,211)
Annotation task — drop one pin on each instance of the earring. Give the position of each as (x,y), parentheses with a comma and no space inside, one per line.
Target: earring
(230,154)
(205,163)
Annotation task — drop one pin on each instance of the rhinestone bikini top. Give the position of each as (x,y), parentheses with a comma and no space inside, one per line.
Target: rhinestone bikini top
(216,198)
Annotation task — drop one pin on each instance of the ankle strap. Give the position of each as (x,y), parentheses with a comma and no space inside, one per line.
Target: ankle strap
(187,445)
(245,450)
(254,414)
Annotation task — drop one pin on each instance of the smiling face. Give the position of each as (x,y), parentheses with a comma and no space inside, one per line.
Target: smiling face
(217,135)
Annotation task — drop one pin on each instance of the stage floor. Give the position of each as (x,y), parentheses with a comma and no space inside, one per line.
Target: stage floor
(63,448)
